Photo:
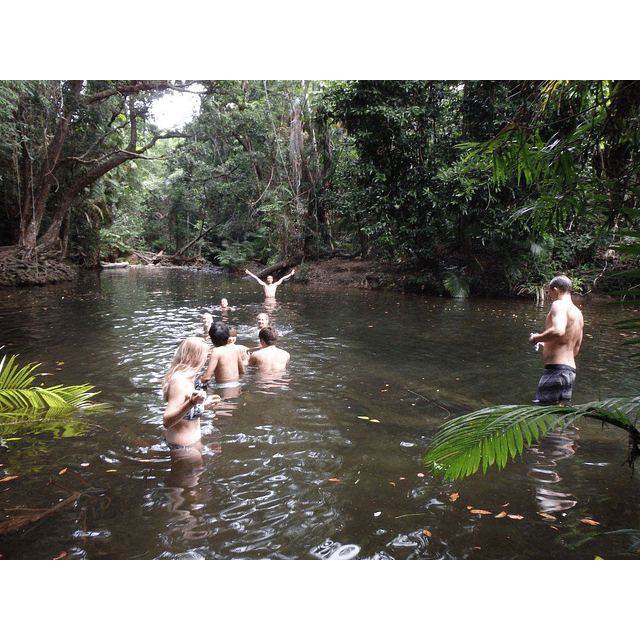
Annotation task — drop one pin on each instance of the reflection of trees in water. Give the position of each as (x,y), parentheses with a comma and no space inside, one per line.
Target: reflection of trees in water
(553,447)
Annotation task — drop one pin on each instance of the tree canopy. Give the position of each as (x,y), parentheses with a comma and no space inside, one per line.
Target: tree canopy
(486,186)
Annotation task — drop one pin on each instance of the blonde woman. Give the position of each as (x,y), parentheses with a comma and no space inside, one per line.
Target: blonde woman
(185,403)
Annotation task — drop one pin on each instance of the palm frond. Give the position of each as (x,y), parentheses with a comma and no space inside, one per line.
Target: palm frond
(17,395)
(493,435)
(13,378)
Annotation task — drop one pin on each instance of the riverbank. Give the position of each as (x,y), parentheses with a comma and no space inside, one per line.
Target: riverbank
(335,273)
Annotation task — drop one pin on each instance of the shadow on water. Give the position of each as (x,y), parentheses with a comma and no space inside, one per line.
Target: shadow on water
(325,460)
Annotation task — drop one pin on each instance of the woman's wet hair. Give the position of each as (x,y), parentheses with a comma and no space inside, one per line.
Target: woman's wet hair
(189,358)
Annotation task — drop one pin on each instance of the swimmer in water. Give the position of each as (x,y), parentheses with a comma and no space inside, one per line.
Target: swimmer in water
(270,286)
(269,358)
(185,403)
(225,360)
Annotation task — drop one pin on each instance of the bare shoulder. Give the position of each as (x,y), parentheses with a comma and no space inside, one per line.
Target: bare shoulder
(179,385)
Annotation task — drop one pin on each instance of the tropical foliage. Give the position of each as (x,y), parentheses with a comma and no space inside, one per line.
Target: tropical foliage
(484,186)
(579,155)
(493,435)
(56,408)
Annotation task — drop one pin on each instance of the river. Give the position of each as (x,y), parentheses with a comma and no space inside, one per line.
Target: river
(327,461)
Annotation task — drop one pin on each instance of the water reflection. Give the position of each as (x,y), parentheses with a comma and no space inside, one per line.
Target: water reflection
(550,449)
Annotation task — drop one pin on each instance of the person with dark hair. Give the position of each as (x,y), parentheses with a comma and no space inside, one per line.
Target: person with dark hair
(225,359)
(561,341)
(269,358)
(269,286)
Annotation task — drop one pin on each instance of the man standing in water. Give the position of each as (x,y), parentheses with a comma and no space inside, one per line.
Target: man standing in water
(270,286)
(561,340)
(269,358)
(226,364)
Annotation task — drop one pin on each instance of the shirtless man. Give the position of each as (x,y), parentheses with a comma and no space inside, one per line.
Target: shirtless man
(225,359)
(269,358)
(561,340)
(270,286)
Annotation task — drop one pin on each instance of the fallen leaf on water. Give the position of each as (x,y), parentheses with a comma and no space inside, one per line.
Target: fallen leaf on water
(377,513)
(453,497)
(63,471)
(589,521)
(8,478)
(85,464)
(427,533)
(356,482)
(363,417)
(548,516)
(334,480)
(392,483)
(111,470)
(374,420)
(401,478)
(421,475)
(502,514)
(469,507)
(513,516)
(62,555)
(384,390)
(481,511)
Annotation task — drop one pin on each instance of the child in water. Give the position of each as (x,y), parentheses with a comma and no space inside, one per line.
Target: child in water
(185,403)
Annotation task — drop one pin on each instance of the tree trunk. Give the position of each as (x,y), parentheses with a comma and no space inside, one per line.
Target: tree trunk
(283,264)
(33,210)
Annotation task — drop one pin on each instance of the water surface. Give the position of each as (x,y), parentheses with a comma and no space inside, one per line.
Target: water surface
(325,462)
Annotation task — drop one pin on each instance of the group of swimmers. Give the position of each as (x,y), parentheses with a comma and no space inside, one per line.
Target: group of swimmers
(187,399)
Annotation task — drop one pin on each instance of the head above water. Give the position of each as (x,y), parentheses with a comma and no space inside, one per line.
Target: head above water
(189,357)
(224,303)
(192,352)
(268,335)
(233,335)
(561,282)
(263,320)
(269,279)
(219,334)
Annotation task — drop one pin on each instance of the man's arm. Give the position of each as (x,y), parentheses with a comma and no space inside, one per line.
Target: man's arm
(241,368)
(253,275)
(213,363)
(254,359)
(558,326)
(285,277)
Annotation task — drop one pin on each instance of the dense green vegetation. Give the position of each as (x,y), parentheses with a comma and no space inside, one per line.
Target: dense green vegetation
(477,186)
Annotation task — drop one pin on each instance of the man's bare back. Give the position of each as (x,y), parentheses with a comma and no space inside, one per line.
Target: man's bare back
(225,359)
(269,358)
(225,364)
(563,332)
